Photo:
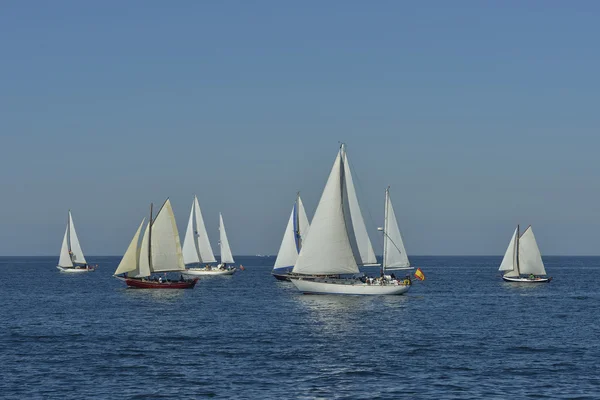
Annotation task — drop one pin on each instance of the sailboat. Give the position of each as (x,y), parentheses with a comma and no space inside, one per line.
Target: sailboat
(196,246)
(523,257)
(338,243)
(225,250)
(71,257)
(159,252)
(295,232)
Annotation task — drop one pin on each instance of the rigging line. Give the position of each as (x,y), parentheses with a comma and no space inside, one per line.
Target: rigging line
(388,236)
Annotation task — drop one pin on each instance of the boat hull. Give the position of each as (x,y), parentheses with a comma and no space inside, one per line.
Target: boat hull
(206,272)
(281,274)
(145,284)
(526,280)
(351,287)
(74,270)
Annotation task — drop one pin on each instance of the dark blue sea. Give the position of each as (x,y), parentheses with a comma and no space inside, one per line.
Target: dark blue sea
(461,334)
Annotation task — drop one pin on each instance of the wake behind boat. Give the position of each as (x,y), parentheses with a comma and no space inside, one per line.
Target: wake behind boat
(160,252)
(339,243)
(295,232)
(71,259)
(523,257)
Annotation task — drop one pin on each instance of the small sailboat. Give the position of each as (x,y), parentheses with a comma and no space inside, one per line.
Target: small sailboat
(523,257)
(338,243)
(225,250)
(196,246)
(295,232)
(159,252)
(71,257)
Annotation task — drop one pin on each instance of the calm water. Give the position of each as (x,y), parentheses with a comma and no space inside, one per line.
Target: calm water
(461,334)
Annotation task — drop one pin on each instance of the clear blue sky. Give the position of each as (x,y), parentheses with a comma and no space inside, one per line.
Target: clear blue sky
(480,115)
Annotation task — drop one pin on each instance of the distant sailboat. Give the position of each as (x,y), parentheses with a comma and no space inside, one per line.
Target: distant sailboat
(225,250)
(523,257)
(159,252)
(71,256)
(338,243)
(197,248)
(295,233)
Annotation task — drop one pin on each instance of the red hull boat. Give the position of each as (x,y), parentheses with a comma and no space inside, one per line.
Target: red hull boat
(145,284)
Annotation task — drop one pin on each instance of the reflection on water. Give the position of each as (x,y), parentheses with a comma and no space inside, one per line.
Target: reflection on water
(158,295)
(336,313)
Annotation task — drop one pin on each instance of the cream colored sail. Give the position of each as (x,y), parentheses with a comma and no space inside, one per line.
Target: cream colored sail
(202,242)
(303,223)
(76,251)
(530,259)
(130,259)
(355,224)
(509,263)
(165,246)
(288,253)
(226,256)
(143,268)
(394,253)
(326,249)
(64,259)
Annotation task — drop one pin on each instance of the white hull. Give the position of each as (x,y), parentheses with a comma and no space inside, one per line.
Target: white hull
(526,280)
(74,270)
(351,287)
(204,272)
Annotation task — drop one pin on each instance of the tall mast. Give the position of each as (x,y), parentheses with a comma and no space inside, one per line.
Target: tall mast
(150,239)
(69,236)
(385,227)
(517,249)
(297,223)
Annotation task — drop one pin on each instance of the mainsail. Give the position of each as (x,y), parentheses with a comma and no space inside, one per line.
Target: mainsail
(530,259)
(165,248)
(64,259)
(196,245)
(76,252)
(394,253)
(226,256)
(327,250)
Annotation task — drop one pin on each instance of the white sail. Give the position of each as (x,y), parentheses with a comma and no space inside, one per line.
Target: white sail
(303,222)
(130,259)
(509,262)
(530,259)
(327,249)
(357,231)
(288,252)
(226,256)
(143,267)
(78,257)
(64,259)
(190,249)
(203,244)
(395,256)
(164,240)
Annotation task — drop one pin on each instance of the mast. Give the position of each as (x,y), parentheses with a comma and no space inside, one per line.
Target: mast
(297,223)
(517,249)
(69,235)
(150,239)
(385,227)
